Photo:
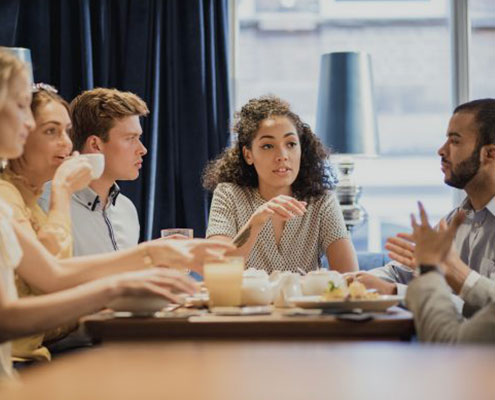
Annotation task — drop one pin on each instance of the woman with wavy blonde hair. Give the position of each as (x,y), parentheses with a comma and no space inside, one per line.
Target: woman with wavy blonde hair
(272,193)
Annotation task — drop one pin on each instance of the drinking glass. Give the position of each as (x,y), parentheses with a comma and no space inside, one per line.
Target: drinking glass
(223,280)
(189,233)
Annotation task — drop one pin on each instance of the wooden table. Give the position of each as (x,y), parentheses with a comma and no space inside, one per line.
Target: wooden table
(397,324)
(259,370)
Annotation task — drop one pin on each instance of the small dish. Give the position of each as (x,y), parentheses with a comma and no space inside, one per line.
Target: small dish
(381,303)
(197,300)
(250,310)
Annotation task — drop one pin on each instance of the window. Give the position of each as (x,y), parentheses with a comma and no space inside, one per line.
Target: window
(482,51)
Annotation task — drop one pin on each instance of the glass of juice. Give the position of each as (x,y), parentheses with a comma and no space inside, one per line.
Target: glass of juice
(223,280)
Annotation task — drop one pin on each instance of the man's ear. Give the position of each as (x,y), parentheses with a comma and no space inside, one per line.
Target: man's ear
(248,157)
(488,153)
(93,144)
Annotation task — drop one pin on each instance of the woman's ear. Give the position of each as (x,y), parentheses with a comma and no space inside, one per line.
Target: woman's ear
(248,157)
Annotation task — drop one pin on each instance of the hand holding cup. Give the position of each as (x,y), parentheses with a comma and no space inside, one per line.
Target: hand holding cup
(74,174)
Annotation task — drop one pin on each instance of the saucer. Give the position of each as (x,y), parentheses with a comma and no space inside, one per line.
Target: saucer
(139,305)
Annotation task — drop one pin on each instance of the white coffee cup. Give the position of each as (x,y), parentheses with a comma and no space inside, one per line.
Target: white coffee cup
(97,161)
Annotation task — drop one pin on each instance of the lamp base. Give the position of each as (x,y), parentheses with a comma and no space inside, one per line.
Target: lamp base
(348,194)
(354,215)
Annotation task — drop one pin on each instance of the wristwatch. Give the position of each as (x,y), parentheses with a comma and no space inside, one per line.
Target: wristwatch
(425,268)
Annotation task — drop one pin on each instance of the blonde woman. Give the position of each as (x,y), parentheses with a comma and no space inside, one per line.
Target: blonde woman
(46,156)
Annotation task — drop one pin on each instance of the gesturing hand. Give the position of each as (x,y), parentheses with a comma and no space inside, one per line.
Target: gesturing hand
(432,247)
(283,207)
(401,249)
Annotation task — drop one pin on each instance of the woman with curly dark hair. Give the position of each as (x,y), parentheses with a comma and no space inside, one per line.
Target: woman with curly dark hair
(272,193)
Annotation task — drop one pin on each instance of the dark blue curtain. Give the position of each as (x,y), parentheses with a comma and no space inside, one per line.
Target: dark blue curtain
(173,53)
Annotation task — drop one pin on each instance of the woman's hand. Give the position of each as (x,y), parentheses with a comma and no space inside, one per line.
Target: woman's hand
(189,253)
(283,207)
(156,281)
(73,174)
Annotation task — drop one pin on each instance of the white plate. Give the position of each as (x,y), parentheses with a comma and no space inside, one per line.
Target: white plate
(379,304)
(197,300)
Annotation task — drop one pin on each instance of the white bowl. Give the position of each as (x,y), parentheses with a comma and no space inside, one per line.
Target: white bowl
(316,282)
(139,304)
(256,288)
(256,291)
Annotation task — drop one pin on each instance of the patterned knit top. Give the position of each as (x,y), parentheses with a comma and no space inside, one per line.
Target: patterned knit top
(304,238)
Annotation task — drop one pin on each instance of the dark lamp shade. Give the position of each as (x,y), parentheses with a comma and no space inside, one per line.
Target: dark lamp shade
(346,118)
(24,55)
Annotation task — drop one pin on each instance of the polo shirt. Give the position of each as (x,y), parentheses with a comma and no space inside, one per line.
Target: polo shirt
(99,228)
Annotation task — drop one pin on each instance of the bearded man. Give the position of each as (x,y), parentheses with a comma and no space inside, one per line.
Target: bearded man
(468,162)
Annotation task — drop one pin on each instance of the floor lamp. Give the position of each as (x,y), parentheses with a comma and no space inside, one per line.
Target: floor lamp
(346,122)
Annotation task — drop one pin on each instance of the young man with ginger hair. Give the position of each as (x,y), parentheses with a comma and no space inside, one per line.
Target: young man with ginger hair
(106,121)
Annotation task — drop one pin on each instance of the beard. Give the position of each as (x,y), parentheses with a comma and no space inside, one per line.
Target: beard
(465,171)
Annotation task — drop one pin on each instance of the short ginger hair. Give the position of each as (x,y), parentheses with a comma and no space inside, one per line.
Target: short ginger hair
(94,112)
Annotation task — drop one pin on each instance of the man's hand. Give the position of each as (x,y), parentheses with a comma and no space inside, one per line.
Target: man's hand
(401,249)
(433,247)
(372,282)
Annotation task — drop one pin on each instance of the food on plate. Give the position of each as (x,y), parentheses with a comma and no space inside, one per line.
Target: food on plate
(355,291)
(334,292)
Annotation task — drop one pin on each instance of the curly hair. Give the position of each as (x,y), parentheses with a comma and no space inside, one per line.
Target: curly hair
(314,178)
